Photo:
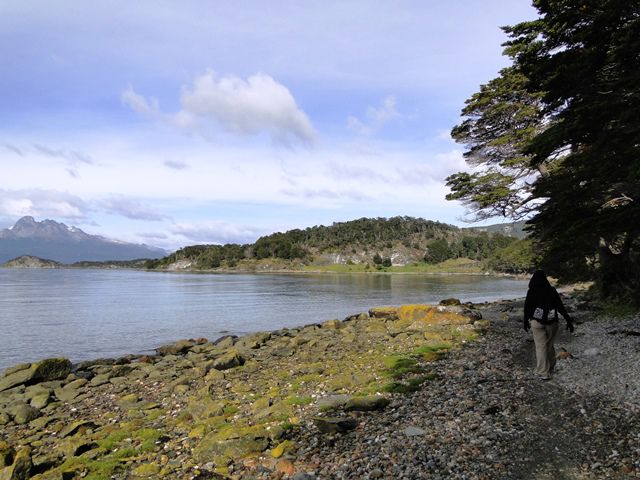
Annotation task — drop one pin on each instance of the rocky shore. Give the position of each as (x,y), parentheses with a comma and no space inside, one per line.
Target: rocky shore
(405,392)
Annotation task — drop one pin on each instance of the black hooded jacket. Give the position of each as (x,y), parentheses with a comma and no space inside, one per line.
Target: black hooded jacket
(542,295)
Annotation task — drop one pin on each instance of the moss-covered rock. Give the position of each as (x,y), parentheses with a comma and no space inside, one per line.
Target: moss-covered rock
(228,360)
(23,413)
(147,470)
(20,469)
(7,454)
(366,404)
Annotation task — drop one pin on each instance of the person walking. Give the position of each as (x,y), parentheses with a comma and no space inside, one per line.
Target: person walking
(541,309)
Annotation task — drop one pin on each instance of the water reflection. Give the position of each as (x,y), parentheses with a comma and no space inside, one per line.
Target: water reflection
(92,313)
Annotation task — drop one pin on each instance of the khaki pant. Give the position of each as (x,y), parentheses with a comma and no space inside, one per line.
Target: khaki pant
(544,336)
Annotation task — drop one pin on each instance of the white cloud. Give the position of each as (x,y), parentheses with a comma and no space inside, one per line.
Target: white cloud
(440,166)
(42,203)
(259,104)
(217,232)
(375,118)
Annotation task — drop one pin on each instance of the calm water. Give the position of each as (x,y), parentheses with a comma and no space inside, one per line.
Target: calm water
(87,314)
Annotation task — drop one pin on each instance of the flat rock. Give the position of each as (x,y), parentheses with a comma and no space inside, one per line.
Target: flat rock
(335,424)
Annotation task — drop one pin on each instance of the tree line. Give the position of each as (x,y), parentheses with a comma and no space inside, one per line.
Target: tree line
(435,242)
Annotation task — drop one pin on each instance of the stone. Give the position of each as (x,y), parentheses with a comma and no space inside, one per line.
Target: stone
(449,301)
(366,404)
(51,369)
(414,431)
(335,424)
(225,342)
(228,360)
(21,467)
(591,352)
(253,341)
(16,368)
(303,476)
(147,470)
(332,324)
(179,347)
(4,418)
(285,466)
(80,426)
(43,371)
(24,413)
(41,400)
(7,454)
(332,402)
(100,379)
(282,448)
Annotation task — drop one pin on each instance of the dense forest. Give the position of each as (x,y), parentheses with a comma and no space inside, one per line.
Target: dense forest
(554,140)
(378,241)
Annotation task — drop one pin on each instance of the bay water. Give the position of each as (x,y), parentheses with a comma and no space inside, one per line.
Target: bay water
(86,314)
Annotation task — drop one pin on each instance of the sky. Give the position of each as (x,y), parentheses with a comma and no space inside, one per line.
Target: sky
(176,123)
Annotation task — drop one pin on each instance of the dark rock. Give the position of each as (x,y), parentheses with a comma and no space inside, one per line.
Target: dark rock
(76,427)
(229,360)
(21,467)
(366,404)
(7,453)
(450,301)
(335,424)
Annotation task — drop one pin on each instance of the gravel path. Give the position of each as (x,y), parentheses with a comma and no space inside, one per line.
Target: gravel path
(486,416)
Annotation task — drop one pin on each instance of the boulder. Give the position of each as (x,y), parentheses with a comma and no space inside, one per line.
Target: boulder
(20,469)
(43,371)
(179,347)
(366,404)
(23,413)
(226,341)
(80,426)
(228,360)
(335,424)
(7,453)
(449,301)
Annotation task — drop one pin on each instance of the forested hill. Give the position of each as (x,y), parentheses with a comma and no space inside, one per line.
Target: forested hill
(377,242)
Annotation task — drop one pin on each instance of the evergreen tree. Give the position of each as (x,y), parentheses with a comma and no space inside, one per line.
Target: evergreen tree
(580,63)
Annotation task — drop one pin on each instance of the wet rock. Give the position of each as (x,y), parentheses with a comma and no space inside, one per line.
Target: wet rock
(449,301)
(177,348)
(335,424)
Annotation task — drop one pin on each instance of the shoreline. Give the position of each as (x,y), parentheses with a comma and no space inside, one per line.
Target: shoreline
(292,401)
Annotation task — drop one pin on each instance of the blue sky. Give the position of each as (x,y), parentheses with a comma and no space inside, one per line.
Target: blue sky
(173,123)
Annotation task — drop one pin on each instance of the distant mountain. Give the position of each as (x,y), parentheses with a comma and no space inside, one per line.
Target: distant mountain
(59,242)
